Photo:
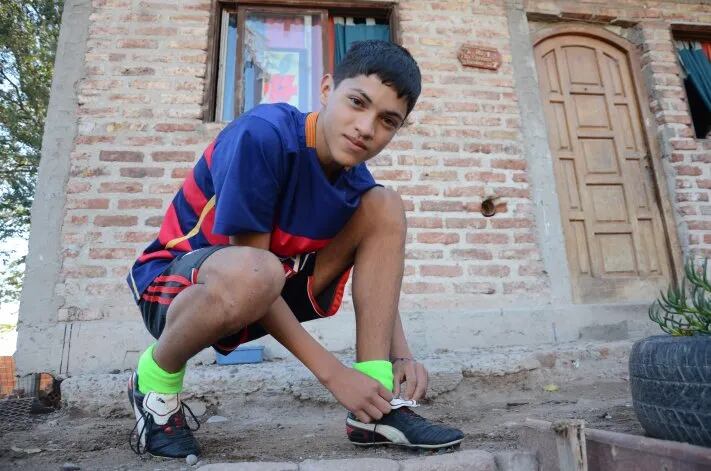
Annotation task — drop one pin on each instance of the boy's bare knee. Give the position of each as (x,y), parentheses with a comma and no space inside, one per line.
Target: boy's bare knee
(242,283)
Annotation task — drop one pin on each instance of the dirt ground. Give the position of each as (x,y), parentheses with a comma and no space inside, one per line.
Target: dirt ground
(285,429)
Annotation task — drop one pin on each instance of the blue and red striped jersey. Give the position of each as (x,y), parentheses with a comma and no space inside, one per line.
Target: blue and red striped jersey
(261,174)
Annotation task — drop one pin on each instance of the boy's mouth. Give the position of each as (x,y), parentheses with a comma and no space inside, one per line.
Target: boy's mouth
(357,143)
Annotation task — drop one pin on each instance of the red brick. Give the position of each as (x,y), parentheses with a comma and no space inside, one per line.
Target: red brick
(497,223)
(703,183)
(468,190)
(120,187)
(688,170)
(525,238)
(115,221)
(138,44)
(462,162)
(472,254)
(134,236)
(465,223)
(420,254)
(175,127)
(136,71)
(441,146)
(488,238)
(485,177)
(386,174)
(156,203)
(509,164)
(120,156)
(173,156)
(518,254)
(84,271)
(437,238)
(441,270)
(422,288)
(154,221)
(439,205)
(142,172)
(78,220)
(493,271)
(112,253)
(78,187)
(180,172)
(417,190)
(89,203)
(165,188)
(442,175)
(424,222)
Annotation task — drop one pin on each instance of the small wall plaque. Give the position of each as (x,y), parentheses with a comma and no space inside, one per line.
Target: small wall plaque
(481,57)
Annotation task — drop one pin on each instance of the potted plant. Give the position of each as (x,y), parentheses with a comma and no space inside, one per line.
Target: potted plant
(670,375)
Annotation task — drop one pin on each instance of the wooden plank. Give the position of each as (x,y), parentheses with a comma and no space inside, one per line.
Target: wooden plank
(559,446)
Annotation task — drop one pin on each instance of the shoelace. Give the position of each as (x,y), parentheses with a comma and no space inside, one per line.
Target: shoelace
(148,424)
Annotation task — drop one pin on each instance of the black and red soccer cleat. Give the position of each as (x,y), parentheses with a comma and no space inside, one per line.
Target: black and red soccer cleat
(161,428)
(402,427)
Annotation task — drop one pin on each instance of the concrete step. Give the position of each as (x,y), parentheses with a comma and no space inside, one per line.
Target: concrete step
(289,380)
(468,460)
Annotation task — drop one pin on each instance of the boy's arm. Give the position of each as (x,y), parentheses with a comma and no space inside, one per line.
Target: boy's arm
(405,368)
(362,395)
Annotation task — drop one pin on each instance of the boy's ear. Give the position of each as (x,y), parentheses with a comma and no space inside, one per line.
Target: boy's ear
(326,88)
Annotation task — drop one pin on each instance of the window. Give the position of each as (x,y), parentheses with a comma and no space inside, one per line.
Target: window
(694,55)
(279,54)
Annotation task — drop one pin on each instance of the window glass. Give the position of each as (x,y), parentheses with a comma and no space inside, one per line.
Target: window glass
(283,60)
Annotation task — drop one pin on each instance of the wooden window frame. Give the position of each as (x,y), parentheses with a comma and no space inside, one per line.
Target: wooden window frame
(691,32)
(324,8)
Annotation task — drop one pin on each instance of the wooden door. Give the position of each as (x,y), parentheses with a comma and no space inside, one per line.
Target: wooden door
(616,246)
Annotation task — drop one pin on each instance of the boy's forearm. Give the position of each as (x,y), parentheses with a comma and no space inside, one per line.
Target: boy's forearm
(281,323)
(398,346)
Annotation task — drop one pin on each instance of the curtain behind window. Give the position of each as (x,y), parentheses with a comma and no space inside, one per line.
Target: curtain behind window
(346,32)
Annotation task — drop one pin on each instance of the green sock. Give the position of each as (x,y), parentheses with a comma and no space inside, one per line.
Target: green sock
(379,370)
(152,377)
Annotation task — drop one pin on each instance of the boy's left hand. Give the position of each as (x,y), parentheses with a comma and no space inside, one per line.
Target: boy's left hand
(416,376)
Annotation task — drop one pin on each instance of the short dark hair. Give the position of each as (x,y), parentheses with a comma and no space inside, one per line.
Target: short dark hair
(392,63)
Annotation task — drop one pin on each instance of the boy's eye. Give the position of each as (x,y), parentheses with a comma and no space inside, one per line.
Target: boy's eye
(390,122)
(356,101)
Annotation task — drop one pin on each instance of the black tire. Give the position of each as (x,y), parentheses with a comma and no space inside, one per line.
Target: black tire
(670,378)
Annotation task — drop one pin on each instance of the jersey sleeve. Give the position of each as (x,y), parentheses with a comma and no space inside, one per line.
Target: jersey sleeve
(248,170)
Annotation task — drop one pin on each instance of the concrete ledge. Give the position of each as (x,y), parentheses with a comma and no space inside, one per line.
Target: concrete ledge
(289,380)
(105,345)
(469,460)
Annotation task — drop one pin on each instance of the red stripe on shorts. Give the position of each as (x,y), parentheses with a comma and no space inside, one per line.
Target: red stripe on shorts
(176,278)
(156,299)
(166,289)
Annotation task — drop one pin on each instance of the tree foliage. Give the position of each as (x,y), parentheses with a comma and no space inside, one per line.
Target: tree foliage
(28,40)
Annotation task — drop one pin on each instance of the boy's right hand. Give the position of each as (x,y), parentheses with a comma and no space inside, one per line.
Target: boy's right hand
(360,394)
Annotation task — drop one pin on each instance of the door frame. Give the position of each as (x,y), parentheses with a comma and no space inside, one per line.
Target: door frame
(660,189)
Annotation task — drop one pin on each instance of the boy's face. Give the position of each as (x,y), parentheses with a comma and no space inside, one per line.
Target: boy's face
(358,119)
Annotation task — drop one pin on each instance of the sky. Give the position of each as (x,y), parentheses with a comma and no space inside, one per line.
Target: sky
(9,311)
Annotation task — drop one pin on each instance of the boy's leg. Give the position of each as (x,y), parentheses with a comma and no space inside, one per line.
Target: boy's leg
(373,241)
(232,287)
(233,283)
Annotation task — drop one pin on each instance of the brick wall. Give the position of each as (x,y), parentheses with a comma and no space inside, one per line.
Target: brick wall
(140,129)
(685,159)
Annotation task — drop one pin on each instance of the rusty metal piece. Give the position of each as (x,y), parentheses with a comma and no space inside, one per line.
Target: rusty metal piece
(611,451)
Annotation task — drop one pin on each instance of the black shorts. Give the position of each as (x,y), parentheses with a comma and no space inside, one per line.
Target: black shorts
(183,272)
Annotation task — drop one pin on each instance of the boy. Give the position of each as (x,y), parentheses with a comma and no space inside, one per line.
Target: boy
(263,235)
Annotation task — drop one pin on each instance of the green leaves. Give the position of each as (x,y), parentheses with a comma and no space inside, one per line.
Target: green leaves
(686,310)
(28,41)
